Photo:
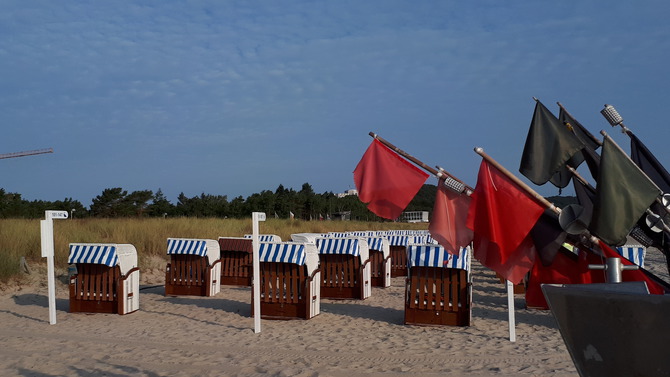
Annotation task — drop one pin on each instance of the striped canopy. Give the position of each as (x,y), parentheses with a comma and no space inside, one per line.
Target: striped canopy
(396,240)
(634,253)
(436,256)
(376,243)
(282,252)
(187,246)
(93,253)
(290,252)
(338,246)
(200,247)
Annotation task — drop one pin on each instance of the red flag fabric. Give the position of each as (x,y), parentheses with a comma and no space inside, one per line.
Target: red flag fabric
(386,182)
(450,213)
(501,216)
(566,268)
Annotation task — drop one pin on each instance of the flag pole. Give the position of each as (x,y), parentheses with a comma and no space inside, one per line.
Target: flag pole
(441,173)
(540,199)
(595,139)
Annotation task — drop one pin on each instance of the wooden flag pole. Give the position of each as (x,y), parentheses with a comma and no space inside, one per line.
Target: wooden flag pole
(539,198)
(441,173)
(595,139)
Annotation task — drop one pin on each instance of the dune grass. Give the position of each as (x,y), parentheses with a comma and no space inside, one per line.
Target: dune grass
(21,238)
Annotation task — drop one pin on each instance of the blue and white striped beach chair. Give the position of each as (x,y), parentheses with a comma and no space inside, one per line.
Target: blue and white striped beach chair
(398,247)
(345,267)
(289,280)
(380,261)
(194,268)
(438,288)
(107,278)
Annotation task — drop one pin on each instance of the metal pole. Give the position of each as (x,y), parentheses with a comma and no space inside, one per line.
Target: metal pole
(613,268)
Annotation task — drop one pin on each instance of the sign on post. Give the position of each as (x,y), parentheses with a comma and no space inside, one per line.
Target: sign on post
(47,240)
(256,217)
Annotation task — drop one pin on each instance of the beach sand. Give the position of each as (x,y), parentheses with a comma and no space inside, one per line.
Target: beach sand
(213,336)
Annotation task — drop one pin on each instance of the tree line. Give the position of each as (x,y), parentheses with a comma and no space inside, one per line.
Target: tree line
(284,202)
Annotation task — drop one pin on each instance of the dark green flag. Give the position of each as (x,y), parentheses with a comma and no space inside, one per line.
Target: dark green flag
(549,145)
(623,194)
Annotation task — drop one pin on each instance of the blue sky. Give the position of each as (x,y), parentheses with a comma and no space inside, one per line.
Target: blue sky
(235,97)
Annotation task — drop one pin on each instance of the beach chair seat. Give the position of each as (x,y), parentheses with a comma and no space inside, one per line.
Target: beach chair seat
(194,268)
(236,261)
(438,288)
(345,268)
(289,281)
(107,279)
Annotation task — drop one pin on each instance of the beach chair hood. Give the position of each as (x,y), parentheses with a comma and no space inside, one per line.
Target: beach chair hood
(109,254)
(430,255)
(290,252)
(201,247)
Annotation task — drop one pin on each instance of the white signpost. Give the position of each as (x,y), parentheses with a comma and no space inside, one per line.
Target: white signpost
(47,236)
(510,311)
(256,217)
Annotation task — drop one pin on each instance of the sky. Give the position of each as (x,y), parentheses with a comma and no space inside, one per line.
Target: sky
(236,97)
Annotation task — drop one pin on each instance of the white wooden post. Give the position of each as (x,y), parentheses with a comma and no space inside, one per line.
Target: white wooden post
(510,309)
(47,238)
(256,217)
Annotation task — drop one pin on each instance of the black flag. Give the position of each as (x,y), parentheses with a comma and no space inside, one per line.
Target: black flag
(649,164)
(549,145)
(623,194)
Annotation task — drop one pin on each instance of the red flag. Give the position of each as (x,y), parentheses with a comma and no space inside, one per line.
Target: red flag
(386,181)
(501,216)
(450,213)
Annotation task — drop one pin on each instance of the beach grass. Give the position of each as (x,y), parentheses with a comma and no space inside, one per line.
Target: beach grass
(21,238)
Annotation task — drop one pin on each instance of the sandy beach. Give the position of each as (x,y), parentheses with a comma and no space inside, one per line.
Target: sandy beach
(213,336)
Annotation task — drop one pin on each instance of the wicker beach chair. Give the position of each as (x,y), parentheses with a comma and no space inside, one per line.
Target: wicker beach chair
(194,268)
(235,261)
(107,279)
(438,290)
(345,268)
(289,280)
(380,261)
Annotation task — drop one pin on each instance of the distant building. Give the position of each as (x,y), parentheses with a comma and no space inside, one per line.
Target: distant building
(414,217)
(342,216)
(347,193)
